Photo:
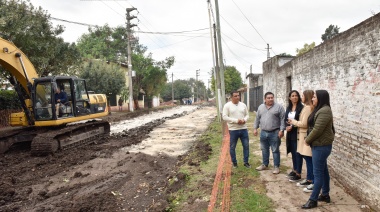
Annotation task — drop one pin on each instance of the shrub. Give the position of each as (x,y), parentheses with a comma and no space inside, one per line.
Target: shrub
(9,100)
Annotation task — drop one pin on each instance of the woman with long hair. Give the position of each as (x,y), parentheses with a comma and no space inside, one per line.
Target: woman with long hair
(320,138)
(293,112)
(302,147)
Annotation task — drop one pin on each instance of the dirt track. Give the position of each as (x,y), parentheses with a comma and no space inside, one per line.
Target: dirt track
(112,175)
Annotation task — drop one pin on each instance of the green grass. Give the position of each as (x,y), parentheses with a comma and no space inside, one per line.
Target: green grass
(248,192)
(198,176)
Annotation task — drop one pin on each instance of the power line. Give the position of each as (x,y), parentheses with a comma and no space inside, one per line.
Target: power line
(262,50)
(182,41)
(195,30)
(249,21)
(234,53)
(161,45)
(254,47)
(112,9)
(73,22)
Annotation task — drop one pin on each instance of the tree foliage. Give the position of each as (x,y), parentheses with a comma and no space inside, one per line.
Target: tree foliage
(185,89)
(30,30)
(151,76)
(181,89)
(232,79)
(330,32)
(104,43)
(109,44)
(102,77)
(306,48)
(154,81)
(285,55)
(9,100)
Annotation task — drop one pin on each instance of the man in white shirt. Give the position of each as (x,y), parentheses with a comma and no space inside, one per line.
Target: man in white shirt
(235,113)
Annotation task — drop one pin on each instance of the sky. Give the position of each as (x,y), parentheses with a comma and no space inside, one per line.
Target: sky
(181,28)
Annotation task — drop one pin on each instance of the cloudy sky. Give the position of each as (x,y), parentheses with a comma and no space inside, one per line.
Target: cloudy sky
(180,28)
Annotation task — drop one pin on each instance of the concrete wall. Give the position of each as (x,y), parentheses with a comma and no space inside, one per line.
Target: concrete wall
(348,66)
(254,80)
(275,80)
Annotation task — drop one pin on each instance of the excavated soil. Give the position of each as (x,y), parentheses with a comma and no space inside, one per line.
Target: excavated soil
(134,169)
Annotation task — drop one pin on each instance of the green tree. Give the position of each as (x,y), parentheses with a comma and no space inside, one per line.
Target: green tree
(232,79)
(103,77)
(181,89)
(306,48)
(151,76)
(30,30)
(104,43)
(330,32)
(154,81)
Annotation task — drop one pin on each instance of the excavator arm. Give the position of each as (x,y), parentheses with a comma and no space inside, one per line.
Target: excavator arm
(22,74)
(18,65)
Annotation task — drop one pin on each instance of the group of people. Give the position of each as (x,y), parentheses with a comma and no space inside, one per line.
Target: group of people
(308,122)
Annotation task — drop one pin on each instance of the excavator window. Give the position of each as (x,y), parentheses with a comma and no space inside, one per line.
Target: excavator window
(82,105)
(63,98)
(43,104)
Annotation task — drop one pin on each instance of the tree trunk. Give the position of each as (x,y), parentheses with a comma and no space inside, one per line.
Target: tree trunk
(136,103)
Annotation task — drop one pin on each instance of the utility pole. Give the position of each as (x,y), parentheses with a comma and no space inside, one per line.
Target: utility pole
(172,90)
(212,31)
(248,88)
(196,83)
(221,65)
(208,87)
(129,26)
(204,94)
(268,53)
(220,106)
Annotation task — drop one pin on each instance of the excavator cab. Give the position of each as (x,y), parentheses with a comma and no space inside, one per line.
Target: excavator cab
(62,97)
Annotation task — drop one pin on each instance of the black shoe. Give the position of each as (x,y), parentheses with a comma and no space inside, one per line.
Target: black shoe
(304,183)
(310,204)
(324,198)
(295,178)
(247,165)
(235,165)
(291,174)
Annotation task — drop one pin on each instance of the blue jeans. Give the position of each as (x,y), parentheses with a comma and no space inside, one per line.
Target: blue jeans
(296,157)
(234,136)
(309,167)
(320,170)
(270,139)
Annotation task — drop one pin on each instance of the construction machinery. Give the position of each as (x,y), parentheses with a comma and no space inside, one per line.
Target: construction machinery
(50,125)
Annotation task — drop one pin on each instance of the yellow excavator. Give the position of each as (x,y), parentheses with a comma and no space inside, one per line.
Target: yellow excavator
(48,123)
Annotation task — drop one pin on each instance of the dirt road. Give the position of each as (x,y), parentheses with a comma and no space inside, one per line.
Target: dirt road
(128,171)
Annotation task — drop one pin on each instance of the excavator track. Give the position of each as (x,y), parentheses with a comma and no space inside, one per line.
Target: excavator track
(69,137)
(11,136)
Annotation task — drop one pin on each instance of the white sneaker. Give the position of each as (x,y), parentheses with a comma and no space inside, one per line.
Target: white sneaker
(309,188)
(262,167)
(304,183)
(276,170)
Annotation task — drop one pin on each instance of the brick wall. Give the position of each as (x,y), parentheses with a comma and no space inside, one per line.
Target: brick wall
(348,66)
